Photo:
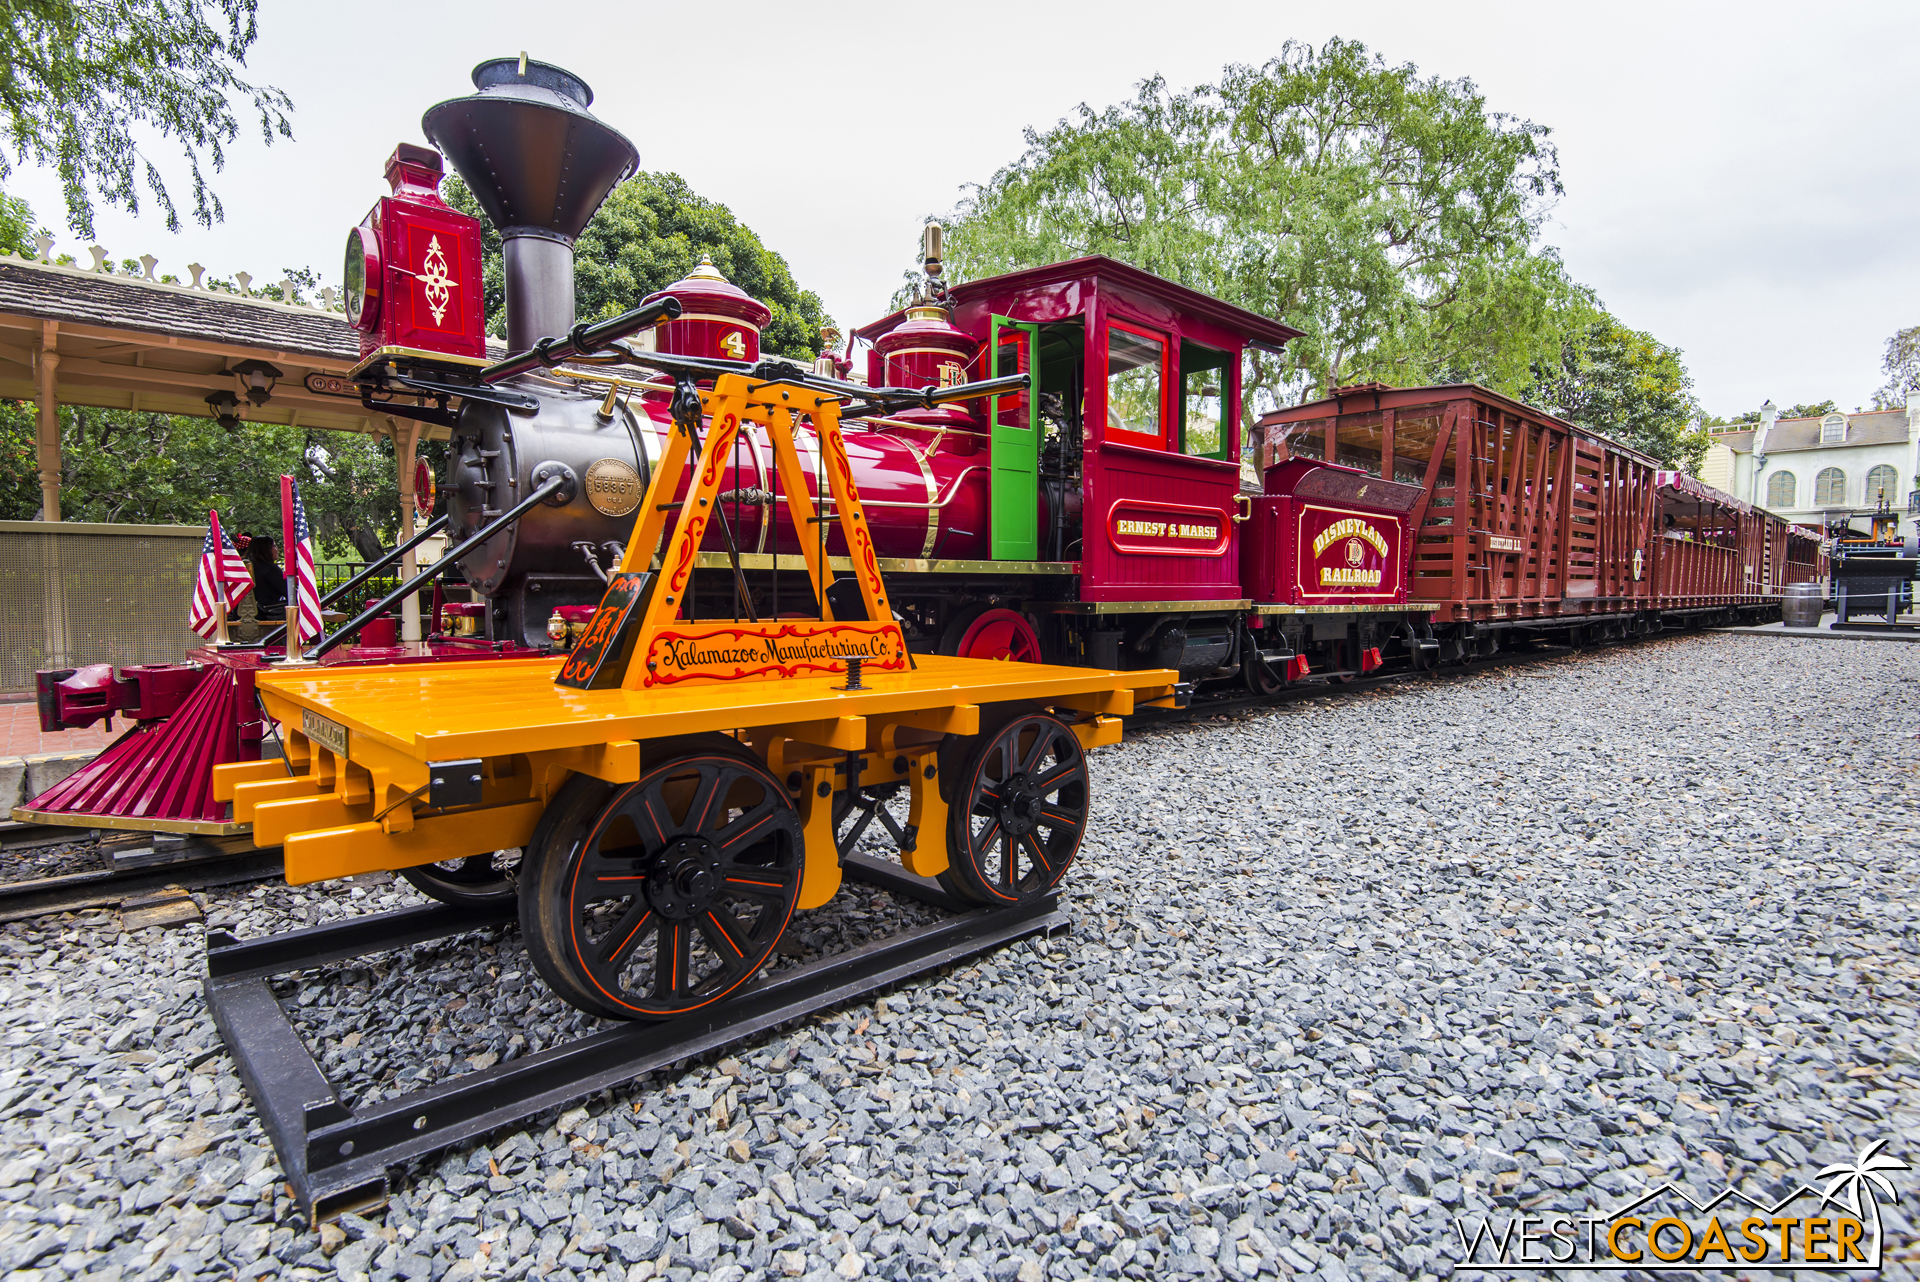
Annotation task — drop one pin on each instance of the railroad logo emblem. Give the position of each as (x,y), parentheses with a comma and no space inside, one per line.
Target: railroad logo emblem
(1666,1230)
(1356,552)
(437,280)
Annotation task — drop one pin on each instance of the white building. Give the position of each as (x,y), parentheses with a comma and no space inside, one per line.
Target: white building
(1815,470)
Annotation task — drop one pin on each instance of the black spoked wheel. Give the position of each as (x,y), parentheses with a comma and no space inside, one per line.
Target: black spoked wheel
(667,894)
(1018,814)
(474,882)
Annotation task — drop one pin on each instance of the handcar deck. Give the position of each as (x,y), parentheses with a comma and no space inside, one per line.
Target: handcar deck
(470,710)
(486,746)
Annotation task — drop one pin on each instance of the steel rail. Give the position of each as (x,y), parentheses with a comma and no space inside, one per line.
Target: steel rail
(70,892)
(337,1157)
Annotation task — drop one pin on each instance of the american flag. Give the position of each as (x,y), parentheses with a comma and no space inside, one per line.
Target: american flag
(222,579)
(306,583)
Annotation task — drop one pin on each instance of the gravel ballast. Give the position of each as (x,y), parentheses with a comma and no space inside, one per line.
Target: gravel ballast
(1540,937)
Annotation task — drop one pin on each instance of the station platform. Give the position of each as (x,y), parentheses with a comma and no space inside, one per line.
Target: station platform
(1862,632)
(21,736)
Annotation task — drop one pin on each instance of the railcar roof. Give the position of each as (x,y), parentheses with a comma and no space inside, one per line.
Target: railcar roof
(1380,396)
(1256,328)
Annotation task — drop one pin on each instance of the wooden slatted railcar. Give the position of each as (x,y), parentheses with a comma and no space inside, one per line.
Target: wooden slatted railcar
(1527,521)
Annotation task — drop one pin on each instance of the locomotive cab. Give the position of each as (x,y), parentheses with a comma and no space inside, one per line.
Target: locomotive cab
(1113,485)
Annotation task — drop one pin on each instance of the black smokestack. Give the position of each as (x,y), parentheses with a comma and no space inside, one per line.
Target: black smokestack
(539,163)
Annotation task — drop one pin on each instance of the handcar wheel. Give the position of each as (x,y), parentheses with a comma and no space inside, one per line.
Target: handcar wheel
(1019,812)
(670,893)
(992,633)
(476,881)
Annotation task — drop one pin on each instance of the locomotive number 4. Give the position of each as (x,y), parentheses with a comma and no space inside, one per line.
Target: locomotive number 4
(734,345)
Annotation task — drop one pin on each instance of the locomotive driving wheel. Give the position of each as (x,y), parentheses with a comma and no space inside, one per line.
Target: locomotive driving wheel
(663,896)
(1018,812)
(992,633)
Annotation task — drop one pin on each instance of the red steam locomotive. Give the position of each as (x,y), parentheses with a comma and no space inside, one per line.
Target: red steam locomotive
(1103,516)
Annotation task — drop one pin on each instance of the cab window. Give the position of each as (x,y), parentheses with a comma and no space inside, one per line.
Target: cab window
(1136,386)
(1206,423)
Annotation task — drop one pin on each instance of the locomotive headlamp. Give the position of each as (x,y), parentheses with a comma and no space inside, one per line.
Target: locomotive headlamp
(260,379)
(362,272)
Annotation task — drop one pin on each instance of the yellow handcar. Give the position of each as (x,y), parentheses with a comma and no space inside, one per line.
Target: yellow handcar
(674,785)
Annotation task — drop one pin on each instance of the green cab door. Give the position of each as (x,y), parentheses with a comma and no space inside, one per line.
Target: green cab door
(1015,444)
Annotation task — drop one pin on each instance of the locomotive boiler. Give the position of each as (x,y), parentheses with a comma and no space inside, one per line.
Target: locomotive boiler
(539,164)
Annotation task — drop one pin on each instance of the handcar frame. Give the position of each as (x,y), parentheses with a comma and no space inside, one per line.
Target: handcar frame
(678,784)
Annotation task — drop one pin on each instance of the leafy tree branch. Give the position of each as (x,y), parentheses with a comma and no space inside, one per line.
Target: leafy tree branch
(81,80)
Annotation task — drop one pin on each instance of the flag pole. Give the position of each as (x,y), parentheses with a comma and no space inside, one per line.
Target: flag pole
(286,556)
(220,637)
(295,657)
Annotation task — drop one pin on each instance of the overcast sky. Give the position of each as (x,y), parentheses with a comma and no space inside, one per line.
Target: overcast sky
(1741,178)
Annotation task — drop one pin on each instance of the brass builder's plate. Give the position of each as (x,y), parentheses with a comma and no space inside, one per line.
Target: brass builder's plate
(330,735)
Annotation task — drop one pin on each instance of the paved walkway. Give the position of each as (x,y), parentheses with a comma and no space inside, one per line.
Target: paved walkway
(1824,633)
(21,736)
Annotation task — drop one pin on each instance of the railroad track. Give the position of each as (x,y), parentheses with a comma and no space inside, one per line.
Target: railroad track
(129,871)
(126,869)
(1326,686)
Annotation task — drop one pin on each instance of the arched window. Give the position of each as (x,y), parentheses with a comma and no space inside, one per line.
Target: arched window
(1881,483)
(1830,488)
(1833,429)
(1780,490)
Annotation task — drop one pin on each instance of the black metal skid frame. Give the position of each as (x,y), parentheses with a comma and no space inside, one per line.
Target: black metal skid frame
(337,1157)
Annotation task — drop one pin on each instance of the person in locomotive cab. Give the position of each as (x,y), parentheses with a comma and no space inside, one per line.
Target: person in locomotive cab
(269,581)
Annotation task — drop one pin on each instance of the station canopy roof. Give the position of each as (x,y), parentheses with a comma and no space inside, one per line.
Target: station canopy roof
(125,342)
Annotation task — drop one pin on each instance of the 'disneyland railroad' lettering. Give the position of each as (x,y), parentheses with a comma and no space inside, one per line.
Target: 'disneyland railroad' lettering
(1351,527)
(1341,576)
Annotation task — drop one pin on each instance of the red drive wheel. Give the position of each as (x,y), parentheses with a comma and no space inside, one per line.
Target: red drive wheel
(665,895)
(1018,812)
(992,633)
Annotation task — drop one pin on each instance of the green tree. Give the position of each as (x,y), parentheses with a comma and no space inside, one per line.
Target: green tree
(1811,409)
(81,80)
(1626,384)
(16,226)
(1390,216)
(651,232)
(141,468)
(1902,367)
